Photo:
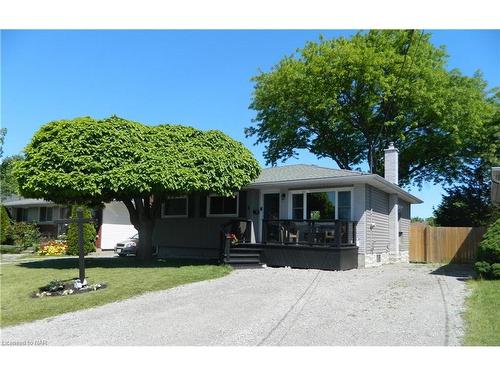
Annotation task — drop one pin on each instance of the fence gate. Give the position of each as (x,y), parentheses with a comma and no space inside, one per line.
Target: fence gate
(444,244)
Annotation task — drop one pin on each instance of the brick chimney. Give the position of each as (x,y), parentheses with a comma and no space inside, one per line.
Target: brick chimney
(391,164)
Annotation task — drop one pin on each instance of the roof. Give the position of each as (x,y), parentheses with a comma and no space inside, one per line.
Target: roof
(301,172)
(303,175)
(16,201)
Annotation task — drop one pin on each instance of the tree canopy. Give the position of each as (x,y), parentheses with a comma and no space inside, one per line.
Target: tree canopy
(8,182)
(346,99)
(93,161)
(89,161)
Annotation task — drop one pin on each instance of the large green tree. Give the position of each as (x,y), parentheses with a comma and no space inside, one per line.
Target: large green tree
(346,99)
(88,161)
(468,204)
(8,183)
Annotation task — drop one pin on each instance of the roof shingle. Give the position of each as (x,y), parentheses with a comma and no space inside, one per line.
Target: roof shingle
(301,172)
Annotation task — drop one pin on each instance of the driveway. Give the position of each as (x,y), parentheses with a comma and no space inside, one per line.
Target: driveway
(389,305)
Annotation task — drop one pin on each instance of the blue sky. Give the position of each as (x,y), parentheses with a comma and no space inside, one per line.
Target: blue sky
(199,78)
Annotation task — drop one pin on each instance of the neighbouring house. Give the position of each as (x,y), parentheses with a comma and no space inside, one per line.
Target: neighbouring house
(112,221)
(298,215)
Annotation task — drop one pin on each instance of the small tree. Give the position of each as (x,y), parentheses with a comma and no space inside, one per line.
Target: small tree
(90,162)
(5,224)
(89,233)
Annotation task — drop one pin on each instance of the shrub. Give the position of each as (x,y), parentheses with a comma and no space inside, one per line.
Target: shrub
(489,253)
(495,271)
(5,224)
(89,233)
(489,248)
(53,248)
(25,234)
(482,268)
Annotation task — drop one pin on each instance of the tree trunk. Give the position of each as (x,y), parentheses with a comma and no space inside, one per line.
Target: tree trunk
(143,213)
(145,246)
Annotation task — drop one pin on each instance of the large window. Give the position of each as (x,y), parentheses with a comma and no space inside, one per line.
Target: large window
(321,205)
(175,207)
(21,214)
(344,212)
(45,214)
(222,206)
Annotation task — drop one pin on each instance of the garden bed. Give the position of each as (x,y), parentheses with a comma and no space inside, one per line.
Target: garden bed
(58,288)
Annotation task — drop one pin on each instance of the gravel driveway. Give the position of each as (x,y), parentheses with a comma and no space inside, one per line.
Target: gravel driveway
(390,305)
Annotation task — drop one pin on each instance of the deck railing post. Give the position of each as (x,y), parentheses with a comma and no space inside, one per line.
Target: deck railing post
(338,232)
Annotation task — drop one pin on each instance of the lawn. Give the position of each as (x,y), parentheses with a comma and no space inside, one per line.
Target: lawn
(124,278)
(482,315)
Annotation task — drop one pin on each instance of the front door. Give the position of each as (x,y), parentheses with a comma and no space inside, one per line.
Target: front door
(271,211)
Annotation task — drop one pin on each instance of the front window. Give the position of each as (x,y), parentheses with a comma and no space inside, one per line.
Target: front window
(45,214)
(321,205)
(175,207)
(223,206)
(344,205)
(21,214)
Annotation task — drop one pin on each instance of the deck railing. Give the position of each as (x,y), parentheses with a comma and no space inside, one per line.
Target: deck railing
(328,233)
(233,232)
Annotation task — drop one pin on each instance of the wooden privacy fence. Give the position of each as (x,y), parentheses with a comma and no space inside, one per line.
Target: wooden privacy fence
(444,244)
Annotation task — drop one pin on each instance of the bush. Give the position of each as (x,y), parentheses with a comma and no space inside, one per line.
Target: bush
(89,233)
(495,271)
(53,248)
(489,253)
(5,224)
(25,234)
(489,248)
(483,269)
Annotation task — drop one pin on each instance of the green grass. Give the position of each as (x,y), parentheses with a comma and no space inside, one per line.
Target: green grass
(482,314)
(124,278)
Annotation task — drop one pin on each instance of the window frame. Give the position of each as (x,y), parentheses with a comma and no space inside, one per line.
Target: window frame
(164,216)
(319,190)
(237,196)
(46,210)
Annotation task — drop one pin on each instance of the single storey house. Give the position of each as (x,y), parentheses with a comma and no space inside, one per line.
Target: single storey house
(298,215)
(112,221)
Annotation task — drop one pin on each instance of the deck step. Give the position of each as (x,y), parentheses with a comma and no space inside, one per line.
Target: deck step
(243,260)
(244,255)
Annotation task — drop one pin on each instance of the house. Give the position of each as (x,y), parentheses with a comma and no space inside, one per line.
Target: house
(113,220)
(297,215)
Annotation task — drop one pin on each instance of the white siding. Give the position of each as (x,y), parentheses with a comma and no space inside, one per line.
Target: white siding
(115,225)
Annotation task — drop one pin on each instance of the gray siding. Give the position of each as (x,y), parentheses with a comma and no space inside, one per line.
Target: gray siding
(196,236)
(377,212)
(359,215)
(404,226)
